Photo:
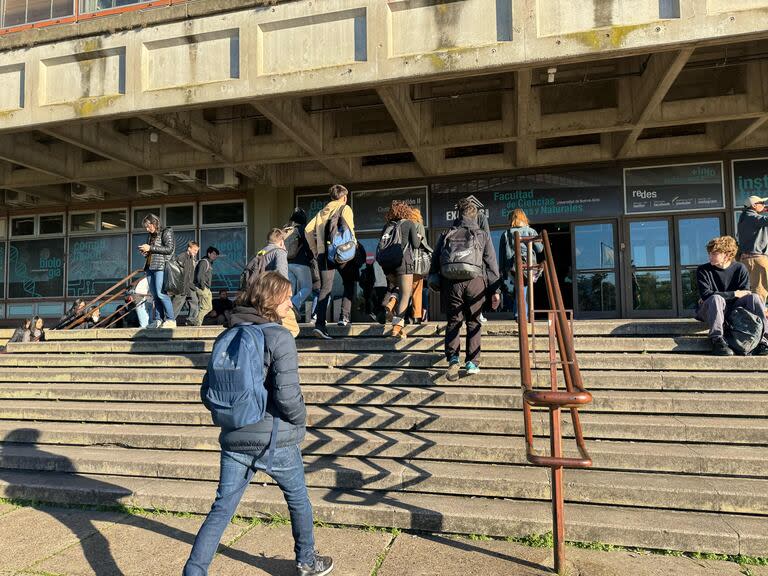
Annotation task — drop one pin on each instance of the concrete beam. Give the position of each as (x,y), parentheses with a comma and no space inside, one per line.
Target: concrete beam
(101,139)
(191,129)
(23,150)
(406,115)
(734,134)
(526,144)
(659,75)
(290,117)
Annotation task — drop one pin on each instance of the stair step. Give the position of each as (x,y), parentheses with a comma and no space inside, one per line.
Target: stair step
(710,459)
(471,421)
(395,395)
(695,531)
(587,361)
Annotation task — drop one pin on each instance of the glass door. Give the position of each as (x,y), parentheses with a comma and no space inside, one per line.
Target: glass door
(650,268)
(693,233)
(595,270)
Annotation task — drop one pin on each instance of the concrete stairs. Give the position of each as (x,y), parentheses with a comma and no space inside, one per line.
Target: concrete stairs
(679,438)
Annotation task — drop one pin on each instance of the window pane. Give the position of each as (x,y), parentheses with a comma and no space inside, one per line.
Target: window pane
(229,265)
(36,268)
(650,243)
(140,213)
(63,8)
(180,216)
(181,237)
(96,263)
(82,222)
(38,10)
(652,290)
(223,213)
(694,234)
(690,290)
(2,269)
(52,224)
(594,247)
(24,226)
(137,260)
(15,13)
(597,292)
(113,220)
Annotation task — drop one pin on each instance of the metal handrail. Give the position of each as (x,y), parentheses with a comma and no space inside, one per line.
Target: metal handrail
(119,289)
(560,336)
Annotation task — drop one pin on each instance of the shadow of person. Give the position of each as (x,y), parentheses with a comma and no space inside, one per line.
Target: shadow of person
(20,453)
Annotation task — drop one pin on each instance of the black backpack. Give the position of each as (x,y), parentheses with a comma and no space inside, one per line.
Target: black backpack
(511,261)
(389,251)
(462,255)
(292,238)
(743,331)
(173,277)
(253,269)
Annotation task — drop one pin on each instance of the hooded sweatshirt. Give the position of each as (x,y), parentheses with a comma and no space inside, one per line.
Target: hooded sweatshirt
(315,230)
(752,231)
(281,366)
(275,259)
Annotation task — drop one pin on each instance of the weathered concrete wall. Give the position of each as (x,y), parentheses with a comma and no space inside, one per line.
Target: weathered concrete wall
(309,46)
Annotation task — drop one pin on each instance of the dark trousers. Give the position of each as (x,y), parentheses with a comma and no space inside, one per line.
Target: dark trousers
(327,275)
(715,308)
(463,303)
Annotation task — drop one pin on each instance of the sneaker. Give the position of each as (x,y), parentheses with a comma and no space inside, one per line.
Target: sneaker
(472,368)
(320,566)
(482,319)
(761,350)
(168,324)
(342,322)
(321,333)
(155,324)
(720,347)
(453,370)
(313,318)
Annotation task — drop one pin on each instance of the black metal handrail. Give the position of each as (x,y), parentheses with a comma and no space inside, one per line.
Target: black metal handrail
(560,337)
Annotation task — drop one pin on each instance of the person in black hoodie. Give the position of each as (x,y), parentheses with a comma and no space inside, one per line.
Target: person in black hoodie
(246,449)
(300,264)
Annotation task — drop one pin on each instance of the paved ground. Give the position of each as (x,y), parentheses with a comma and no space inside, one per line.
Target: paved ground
(57,541)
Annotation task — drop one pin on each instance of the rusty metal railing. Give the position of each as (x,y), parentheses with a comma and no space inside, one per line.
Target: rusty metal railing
(115,291)
(560,338)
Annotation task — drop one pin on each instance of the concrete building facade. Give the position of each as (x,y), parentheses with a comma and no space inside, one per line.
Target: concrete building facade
(632,130)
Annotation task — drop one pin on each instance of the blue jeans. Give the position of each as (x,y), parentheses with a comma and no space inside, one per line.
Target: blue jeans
(301,282)
(525,298)
(237,469)
(163,304)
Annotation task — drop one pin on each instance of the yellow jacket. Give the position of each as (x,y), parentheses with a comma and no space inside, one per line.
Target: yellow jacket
(315,229)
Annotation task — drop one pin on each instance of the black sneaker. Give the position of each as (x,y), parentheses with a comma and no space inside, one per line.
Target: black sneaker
(320,566)
(761,350)
(453,370)
(720,347)
(322,333)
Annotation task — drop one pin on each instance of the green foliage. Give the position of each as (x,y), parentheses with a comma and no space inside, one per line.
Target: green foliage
(545,540)
(479,537)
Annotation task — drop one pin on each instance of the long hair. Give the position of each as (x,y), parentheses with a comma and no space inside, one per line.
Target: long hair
(265,294)
(518,219)
(399,210)
(416,215)
(151,219)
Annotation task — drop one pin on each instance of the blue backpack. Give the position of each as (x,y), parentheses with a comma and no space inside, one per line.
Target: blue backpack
(340,244)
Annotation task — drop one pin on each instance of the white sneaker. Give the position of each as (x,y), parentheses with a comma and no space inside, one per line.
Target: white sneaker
(168,324)
(155,324)
(482,319)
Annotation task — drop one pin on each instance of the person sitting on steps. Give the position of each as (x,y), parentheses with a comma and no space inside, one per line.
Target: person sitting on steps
(723,286)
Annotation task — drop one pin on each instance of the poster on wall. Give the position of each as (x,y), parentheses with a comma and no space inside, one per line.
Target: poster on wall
(750,178)
(96,263)
(371,206)
(36,268)
(544,197)
(678,188)
(312,203)
(231,243)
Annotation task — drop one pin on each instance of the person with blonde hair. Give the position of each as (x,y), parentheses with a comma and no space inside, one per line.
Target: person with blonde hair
(518,223)
(273,443)
(723,286)
(422,261)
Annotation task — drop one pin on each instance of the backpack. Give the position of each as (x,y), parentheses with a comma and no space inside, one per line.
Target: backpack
(339,242)
(292,239)
(510,254)
(462,254)
(389,251)
(173,277)
(253,269)
(743,331)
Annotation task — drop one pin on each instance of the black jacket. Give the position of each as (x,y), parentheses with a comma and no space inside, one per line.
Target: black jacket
(204,274)
(281,365)
(711,280)
(161,249)
(492,279)
(187,264)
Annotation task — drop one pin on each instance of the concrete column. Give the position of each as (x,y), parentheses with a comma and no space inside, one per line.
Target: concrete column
(268,207)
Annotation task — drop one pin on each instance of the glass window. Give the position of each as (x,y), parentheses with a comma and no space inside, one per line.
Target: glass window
(113,220)
(36,268)
(15,13)
(137,260)
(650,243)
(2,269)
(231,243)
(3,228)
(594,247)
(140,213)
(96,263)
(180,239)
(230,212)
(52,224)
(82,222)
(62,8)
(694,234)
(596,291)
(690,288)
(651,290)
(180,215)
(23,226)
